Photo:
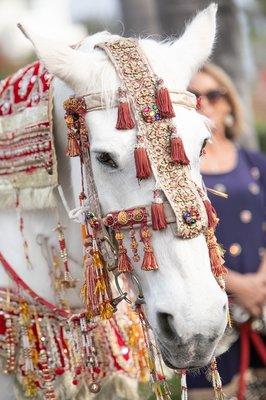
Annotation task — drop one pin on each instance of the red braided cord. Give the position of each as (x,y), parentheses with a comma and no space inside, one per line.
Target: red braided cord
(244,359)
(16,278)
(247,334)
(259,346)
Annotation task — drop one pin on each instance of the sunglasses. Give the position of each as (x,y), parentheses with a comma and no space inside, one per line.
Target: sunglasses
(212,95)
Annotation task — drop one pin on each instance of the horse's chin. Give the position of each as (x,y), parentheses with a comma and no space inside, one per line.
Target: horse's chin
(194,362)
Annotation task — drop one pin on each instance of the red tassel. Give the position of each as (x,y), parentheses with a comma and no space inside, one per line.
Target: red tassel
(149,262)
(211,213)
(217,262)
(124,117)
(124,264)
(178,153)
(142,162)
(158,216)
(163,101)
(73,148)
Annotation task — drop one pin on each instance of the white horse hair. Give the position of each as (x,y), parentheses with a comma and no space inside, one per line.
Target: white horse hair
(185,306)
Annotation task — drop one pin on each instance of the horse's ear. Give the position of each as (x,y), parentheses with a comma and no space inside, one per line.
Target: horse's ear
(195,46)
(60,59)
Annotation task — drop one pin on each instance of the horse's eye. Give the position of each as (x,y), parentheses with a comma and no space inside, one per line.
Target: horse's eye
(106,159)
(203,151)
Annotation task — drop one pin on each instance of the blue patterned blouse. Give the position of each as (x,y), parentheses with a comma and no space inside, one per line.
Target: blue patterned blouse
(241,231)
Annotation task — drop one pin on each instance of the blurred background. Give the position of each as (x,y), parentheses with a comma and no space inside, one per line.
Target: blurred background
(240,47)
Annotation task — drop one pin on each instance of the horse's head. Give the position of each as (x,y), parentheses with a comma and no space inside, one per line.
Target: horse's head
(185,306)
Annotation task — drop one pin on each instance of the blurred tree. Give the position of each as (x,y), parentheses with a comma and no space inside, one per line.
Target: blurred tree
(140,17)
(232,50)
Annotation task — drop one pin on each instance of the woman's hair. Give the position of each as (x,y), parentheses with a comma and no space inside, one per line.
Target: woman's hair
(232,97)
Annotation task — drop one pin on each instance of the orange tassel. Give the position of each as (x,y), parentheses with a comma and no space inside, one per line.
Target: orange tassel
(142,162)
(158,216)
(124,116)
(217,261)
(178,153)
(124,264)
(211,213)
(149,262)
(73,148)
(163,101)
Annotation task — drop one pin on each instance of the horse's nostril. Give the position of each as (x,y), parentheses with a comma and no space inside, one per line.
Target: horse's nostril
(166,324)
(225,307)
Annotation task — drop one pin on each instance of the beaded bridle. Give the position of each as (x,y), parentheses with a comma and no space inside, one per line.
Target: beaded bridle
(144,102)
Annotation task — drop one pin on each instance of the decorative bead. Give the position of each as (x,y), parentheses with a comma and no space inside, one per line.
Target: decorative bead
(94,387)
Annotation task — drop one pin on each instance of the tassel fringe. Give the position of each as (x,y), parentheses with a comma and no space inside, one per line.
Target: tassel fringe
(124,117)
(158,216)
(178,153)
(124,264)
(163,101)
(211,213)
(142,162)
(149,262)
(183,383)
(73,147)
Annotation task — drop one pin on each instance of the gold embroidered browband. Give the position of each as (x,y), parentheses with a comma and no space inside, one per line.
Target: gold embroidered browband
(156,135)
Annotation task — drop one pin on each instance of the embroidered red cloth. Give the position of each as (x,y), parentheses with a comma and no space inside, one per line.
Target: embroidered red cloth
(27,156)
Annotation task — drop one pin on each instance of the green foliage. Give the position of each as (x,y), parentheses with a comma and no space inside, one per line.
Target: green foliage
(261,132)
(173,383)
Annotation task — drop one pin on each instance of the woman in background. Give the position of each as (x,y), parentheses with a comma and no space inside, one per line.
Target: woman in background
(241,174)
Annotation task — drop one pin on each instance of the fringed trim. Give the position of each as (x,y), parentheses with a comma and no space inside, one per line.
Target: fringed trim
(216,381)
(29,198)
(211,214)
(142,162)
(163,100)
(178,154)
(124,116)
(183,385)
(216,254)
(149,262)
(73,146)
(157,212)
(124,264)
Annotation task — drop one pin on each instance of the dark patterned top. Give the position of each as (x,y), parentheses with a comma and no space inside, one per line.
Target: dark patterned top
(241,231)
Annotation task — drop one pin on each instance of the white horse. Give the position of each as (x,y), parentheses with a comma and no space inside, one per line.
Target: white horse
(185,306)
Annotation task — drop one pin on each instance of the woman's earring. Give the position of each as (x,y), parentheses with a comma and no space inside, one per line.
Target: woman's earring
(229,120)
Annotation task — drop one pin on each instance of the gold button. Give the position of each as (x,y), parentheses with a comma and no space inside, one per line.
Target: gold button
(235,249)
(255,173)
(245,216)
(220,187)
(122,218)
(254,188)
